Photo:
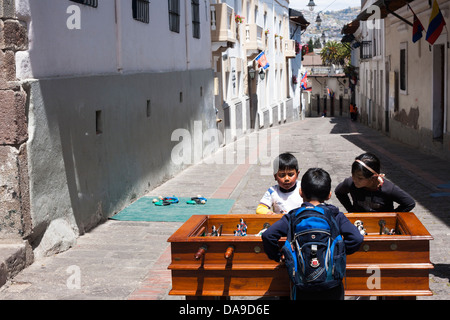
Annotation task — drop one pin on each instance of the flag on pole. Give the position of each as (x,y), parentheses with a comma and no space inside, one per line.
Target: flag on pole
(436,24)
(330,93)
(262,60)
(304,81)
(417,27)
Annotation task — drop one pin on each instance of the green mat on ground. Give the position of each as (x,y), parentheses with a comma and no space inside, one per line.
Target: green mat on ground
(145,210)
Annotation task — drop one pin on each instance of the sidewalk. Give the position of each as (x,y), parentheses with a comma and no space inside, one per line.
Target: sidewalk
(128,260)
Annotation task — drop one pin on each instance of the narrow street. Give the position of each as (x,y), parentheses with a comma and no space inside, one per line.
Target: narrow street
(128,260)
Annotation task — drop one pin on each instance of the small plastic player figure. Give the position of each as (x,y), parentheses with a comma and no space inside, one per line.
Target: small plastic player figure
(360,225)
(265,227)
(243,227)
(238,231)
(214,232)
(241,230)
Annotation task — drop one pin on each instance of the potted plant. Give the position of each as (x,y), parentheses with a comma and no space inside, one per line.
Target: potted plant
(239,19)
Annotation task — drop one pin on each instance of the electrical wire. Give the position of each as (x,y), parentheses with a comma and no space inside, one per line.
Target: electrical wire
(328,5)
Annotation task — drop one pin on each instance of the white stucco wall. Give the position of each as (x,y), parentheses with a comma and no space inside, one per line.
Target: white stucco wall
(104,46)
(144,80)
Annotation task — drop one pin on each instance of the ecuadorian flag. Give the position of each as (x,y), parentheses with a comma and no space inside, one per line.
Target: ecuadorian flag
(436,24)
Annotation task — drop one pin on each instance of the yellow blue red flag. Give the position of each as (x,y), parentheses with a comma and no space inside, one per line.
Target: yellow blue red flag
(436,24)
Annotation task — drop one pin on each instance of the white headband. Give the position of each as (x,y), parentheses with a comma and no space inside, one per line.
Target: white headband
(380,176)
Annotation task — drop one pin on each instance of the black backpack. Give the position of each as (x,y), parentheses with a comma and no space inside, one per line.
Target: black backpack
(314,250)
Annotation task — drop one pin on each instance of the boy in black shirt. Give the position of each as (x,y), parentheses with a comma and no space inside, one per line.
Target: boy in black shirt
(315,189)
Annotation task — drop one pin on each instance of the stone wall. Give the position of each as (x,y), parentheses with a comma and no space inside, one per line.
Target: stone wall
(15,221)
(14,195)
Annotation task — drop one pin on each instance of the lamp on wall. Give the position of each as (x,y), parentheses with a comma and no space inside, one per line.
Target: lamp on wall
(311,5)
(252,73)
(262,75)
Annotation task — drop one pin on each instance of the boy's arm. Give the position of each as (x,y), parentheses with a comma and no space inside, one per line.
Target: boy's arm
(263,209)
(271,236)
(352,237)
(342,191)
(265,203)
(405,201)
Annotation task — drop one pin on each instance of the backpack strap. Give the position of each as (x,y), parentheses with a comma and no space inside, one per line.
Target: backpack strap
(335,230)
(313,208)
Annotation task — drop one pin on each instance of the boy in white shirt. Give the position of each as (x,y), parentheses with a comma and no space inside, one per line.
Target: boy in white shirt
(285,196)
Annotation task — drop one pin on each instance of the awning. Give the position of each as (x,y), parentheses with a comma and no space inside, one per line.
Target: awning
(297,17)
(350,28)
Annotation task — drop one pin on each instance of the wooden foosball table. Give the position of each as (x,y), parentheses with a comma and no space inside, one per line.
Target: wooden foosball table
(211,258)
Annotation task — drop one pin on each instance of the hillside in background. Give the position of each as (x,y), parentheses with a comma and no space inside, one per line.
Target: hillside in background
(332,23)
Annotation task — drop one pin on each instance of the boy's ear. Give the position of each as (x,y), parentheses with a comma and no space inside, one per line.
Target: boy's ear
(300,192)
(329,196)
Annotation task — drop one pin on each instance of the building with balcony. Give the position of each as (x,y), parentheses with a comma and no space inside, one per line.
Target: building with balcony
(246,96)
(292,50)
(96,95)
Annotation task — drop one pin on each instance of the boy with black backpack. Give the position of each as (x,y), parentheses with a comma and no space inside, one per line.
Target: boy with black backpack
(319,237)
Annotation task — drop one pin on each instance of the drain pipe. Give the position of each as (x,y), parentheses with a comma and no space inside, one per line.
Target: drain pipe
(118,19)
(187,30)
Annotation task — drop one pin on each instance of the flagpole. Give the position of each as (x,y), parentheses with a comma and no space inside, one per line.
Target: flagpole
(411,9)
(255,58)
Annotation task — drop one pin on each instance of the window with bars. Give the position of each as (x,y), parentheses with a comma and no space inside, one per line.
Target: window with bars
(141,10)
(195,18)
(403,68)
(366,50)
(91,3)
(174,15)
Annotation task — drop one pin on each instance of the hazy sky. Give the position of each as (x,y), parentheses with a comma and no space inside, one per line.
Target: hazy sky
(324,5)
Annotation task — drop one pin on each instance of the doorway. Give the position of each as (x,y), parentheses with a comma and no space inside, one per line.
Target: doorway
(438,112)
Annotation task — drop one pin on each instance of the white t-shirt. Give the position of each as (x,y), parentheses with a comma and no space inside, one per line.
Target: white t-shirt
(282,202)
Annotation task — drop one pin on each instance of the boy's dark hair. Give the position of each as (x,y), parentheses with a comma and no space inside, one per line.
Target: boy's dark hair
(316,184)
(285,161)
(369,160)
